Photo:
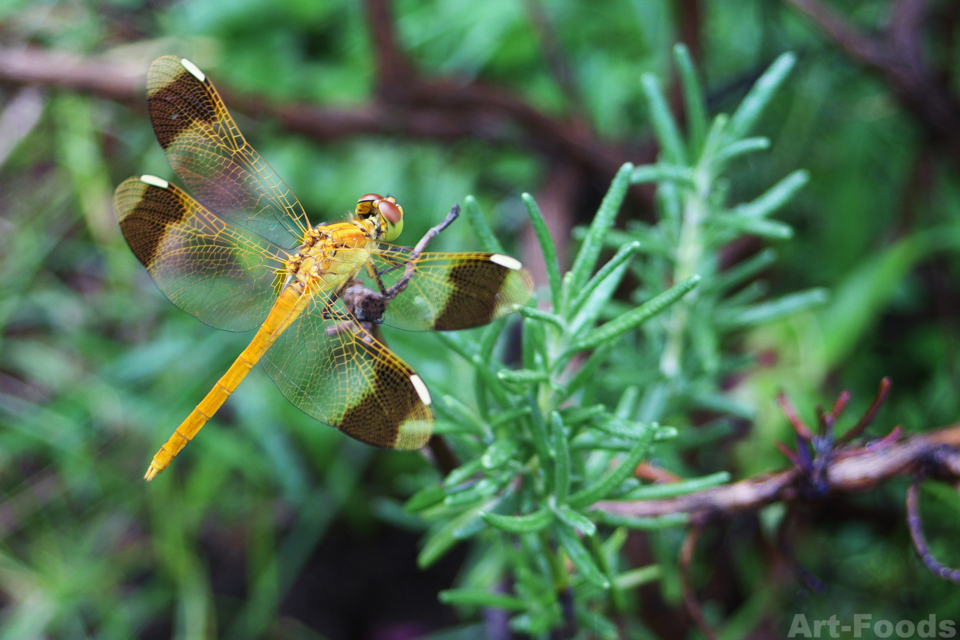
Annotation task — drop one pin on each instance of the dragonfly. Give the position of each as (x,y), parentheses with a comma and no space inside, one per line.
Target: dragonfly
(240,254)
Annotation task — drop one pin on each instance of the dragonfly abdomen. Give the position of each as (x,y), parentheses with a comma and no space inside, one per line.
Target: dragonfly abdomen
(288,308)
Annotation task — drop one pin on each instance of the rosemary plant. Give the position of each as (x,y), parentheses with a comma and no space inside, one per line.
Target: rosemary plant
(542,444)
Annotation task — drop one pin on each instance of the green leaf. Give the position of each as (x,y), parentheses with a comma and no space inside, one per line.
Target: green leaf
(574,416)
(627,405)
(533,345)
(635,317)
(561,458)
(741,272)
(746,296)
(488,342)
(547,246)
(507,503)
(461,412)
(715,138)
(775,197)
(597,439)
(588,372)
(636,522)
(530,523)
(467,352)
(523,376)
(425,498)
(463,472)
(623,428)
(662,172)
(664,124)
(773,310)
(533,313)
(773,229)
(480,598)
(510,415)
(621,257)
(673,489)
(597,625)
(723,404)
(615,477)
(499,453)
(693,102)
(594,305)
(590,250)
(473,214)
(750,110)
(540,434)
(637,577)
(580,557)
(739,148)
(857,301)
(443,539)
(482,490)
(576,520)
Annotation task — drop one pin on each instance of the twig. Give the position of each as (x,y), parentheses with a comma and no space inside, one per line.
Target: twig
(438,110)
(898,56)
(793,417)
(552,51)
(919,542)
(689,597)
(870,414)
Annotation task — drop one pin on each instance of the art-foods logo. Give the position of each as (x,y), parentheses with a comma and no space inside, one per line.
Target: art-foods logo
(862,623)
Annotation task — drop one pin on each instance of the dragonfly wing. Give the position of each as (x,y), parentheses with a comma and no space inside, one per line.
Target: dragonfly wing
(211,156)
(334,371)
(221,274)
(450,291)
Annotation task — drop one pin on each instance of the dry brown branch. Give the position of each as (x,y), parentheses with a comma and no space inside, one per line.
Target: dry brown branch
(439,110)
(689,596)
(853,469)
(898,56)
(914,523)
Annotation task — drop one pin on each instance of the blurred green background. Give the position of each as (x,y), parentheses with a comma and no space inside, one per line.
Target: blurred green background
(272,525)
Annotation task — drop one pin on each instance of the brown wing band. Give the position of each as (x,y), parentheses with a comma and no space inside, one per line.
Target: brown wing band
(147,219)
(381,412)
(480,306)
(166,104)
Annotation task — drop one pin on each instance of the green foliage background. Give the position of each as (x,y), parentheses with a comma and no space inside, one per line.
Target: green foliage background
(97,368)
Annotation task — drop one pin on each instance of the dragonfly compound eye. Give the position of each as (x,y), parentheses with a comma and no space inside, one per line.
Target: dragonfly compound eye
(392,215)
(366,203)
(391,211)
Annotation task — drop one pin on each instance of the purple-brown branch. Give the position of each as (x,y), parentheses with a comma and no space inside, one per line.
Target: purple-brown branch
(853,469)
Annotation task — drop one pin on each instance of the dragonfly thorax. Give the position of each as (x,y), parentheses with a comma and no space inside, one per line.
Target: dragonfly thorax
(331,255)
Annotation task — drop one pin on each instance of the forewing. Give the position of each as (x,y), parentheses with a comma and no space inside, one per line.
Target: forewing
(333,370)
(211,156)
(221,274)
(450,291)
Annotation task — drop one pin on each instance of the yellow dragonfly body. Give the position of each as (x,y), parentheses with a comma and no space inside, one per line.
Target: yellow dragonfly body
(244,255)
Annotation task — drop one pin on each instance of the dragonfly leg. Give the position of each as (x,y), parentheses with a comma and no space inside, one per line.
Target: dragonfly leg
(373,273)
(411,268)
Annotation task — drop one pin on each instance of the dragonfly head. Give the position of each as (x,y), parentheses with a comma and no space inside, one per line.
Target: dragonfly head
(384,212)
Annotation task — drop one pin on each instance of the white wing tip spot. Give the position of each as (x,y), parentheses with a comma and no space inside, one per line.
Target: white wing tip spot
(154,181)
(506,261)
(421,389)
(193,69)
